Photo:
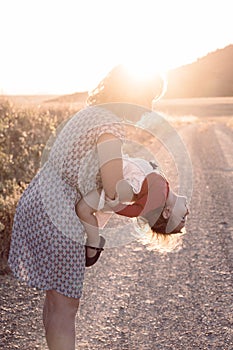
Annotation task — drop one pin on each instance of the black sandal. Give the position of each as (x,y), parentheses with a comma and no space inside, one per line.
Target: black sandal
(91,261)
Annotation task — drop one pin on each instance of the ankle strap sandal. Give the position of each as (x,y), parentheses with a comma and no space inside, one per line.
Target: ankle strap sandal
(91,261)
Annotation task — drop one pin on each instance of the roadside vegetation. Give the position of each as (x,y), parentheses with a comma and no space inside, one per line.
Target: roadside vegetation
(24,132)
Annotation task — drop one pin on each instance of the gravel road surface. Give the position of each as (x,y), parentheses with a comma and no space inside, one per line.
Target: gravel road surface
(137,299)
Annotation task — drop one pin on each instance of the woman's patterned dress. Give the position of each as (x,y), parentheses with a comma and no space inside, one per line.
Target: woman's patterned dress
(47,247)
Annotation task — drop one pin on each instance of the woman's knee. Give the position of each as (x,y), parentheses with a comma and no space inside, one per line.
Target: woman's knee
(59,303)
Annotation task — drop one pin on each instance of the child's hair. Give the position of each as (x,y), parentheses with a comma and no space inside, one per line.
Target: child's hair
(160,225)
(164,242)
(155,237)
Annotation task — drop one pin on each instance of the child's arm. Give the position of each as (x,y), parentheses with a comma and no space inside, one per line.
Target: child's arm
(135,208)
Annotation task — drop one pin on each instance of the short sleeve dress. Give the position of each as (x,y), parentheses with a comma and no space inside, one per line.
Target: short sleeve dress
(47,247)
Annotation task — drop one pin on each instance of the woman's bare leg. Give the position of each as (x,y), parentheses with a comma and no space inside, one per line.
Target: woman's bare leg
(59,320)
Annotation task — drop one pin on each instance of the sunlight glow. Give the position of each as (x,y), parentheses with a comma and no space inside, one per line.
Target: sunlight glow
(142,70)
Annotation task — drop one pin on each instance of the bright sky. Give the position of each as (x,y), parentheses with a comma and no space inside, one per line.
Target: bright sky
(65,46)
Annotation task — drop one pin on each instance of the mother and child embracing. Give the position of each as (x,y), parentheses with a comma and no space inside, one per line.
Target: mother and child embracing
(55,233)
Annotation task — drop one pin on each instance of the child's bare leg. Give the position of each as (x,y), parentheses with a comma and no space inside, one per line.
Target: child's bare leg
(85,210)
(92,231)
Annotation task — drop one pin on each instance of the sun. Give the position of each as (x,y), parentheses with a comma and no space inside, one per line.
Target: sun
(144,67)
(142,71)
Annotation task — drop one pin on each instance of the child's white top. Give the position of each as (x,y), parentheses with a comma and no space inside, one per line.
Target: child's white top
(134,170)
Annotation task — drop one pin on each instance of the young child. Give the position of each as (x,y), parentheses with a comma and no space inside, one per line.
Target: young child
(152,200)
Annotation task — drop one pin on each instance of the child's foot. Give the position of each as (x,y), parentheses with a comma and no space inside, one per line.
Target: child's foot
(93,253)
(91,244)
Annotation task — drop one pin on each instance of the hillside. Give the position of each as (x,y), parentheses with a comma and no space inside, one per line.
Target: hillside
(209,76)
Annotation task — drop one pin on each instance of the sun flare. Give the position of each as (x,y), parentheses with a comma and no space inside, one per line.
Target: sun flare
(144,70)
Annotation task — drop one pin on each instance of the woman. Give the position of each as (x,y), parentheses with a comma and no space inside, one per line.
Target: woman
(48,244)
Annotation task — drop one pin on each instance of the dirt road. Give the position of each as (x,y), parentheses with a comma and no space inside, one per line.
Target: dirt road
(139,300)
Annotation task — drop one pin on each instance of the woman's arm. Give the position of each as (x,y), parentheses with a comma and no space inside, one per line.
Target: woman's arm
(111,168)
